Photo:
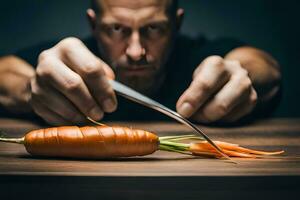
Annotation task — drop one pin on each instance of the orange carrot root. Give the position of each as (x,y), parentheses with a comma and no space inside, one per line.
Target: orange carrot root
(90,142)
(232,150)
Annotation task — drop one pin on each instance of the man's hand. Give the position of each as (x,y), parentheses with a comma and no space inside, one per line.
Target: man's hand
(15,75)
(70,84)
(221,90)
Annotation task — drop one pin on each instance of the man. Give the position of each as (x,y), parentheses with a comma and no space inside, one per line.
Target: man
(137,42)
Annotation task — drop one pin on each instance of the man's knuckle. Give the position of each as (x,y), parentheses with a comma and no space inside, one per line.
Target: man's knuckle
(235,63)
(222,108)
(203,85)
(215,60)
(246,84)
(44,70)
(196,72)
(72,83)
(104,85)
(45,67)
(243,72)
(92,69)
(70,41)
(69,44)
(44,55)
(106,92)
(242,79)
(110,92)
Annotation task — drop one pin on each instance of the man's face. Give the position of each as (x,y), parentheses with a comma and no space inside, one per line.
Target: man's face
(135,38)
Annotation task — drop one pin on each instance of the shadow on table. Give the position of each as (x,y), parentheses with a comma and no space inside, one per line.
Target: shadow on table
(130,159)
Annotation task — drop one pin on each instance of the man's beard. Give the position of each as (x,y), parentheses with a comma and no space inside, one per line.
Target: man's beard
(147,84)
(144,84)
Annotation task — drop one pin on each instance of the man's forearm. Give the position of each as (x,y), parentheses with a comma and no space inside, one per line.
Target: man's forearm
(264,72)
(15,76)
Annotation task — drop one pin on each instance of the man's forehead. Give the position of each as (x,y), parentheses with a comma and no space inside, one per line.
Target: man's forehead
(133,11)
(132,4)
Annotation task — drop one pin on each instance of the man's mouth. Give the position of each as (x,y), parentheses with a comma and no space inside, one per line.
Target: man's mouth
(136,70)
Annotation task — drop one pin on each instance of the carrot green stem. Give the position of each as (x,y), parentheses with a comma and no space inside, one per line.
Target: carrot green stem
(167,144)
(180,137)
(168,148)
(178,145)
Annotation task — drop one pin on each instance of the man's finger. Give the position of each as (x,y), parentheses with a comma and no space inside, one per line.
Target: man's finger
(48,115)
(56,102)
(235,91)
(210,76)
(71,85)
(94,72)
(242,109)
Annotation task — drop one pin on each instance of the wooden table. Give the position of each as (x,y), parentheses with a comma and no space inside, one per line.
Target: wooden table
(162,175)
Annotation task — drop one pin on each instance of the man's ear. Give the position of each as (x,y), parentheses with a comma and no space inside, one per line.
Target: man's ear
(91,15)
(179,17)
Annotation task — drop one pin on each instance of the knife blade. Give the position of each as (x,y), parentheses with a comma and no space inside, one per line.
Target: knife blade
(137,97)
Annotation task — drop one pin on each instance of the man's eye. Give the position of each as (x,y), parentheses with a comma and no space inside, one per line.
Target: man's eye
(117,28)
(153,28)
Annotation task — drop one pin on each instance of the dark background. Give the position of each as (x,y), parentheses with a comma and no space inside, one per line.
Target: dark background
(270,25)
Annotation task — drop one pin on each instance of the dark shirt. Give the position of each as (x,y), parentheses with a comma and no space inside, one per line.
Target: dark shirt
(187,54)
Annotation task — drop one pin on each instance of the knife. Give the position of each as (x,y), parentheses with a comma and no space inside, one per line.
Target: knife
(137,97)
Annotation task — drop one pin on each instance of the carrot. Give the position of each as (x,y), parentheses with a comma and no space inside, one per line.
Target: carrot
(94,142)
(89,142)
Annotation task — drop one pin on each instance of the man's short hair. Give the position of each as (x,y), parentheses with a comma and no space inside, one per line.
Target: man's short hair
(171,9)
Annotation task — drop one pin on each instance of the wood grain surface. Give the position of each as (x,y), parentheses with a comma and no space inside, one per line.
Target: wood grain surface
(161,175)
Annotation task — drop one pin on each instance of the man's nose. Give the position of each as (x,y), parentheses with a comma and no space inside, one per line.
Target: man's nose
(135,49)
